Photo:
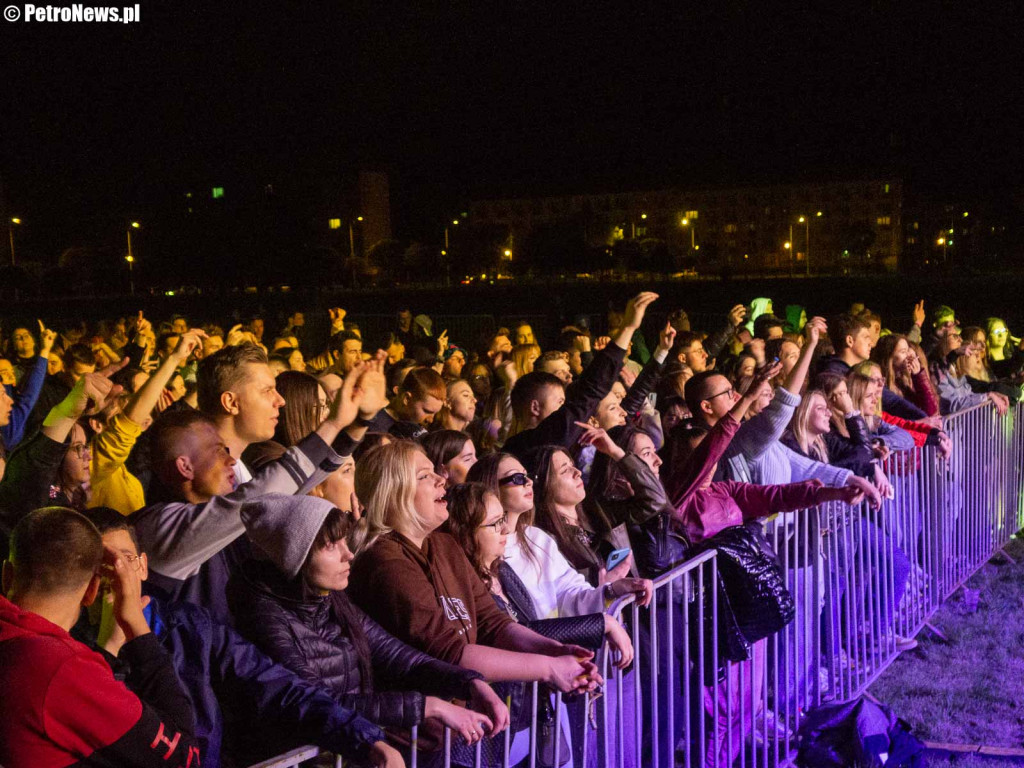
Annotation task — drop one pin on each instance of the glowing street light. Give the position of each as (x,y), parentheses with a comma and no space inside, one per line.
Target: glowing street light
(130,258)
(10,232)
(693,235)
(787,245)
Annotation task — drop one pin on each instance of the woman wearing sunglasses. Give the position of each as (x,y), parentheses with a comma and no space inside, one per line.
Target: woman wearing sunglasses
(557,588)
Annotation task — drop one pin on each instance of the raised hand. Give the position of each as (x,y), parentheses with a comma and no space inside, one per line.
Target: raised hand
(815,327)
(599,438)
(737,315)
(46,339)
(442,342)
(919,313)
(235,337)
(190,341)
(637,307)
(666,338)
(372,385)
(601,342)
(337,315)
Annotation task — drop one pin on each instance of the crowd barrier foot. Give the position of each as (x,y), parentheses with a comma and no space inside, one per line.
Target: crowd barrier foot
(1002,551)
(941,749)
(936,631)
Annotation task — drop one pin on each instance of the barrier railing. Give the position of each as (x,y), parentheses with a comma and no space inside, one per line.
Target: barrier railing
(865,582)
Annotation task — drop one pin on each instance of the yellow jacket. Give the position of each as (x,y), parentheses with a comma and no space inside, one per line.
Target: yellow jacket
(112,485)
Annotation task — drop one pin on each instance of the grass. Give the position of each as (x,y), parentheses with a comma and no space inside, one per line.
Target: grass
(968,691)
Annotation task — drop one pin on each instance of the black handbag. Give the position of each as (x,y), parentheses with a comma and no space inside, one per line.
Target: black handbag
(753,580)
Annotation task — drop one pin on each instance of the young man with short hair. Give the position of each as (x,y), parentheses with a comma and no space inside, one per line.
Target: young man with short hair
(62,704)
(194,533)
(851,342)
(237,391)
(418,399)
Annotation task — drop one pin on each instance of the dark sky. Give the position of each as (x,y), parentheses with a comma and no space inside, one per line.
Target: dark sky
(468,99)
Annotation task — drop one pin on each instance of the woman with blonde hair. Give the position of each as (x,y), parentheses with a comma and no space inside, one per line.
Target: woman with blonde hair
(865,384)
(523,357)
(418,584)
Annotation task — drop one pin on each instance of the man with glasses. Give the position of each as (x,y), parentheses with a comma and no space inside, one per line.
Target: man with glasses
(219,665)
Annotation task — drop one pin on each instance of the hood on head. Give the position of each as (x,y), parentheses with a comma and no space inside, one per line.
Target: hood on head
(793,313)
(757,308)
(285,527)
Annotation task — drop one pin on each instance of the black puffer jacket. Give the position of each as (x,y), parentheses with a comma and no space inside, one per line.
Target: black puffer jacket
(309,635)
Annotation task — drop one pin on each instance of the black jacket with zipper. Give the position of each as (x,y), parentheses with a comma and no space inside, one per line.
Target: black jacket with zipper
(307,634)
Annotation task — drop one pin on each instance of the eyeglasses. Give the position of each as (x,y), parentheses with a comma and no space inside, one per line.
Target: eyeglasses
(500,525)
(730,391)
(133,560)
(80,449)
(519,478)
(878,381)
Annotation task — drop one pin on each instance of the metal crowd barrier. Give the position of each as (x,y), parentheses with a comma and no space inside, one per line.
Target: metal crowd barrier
(862,580)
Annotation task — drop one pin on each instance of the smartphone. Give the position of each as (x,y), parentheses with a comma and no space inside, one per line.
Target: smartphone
(615,558)
(744,336)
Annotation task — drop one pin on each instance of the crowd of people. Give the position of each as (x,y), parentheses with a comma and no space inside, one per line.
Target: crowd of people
(220,545)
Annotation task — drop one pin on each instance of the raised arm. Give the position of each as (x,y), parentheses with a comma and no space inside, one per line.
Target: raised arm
(794,383)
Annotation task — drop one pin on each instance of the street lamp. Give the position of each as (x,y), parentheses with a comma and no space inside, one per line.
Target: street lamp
(686,223)
(130,258)
(806,221)
(10,231)
(455,223)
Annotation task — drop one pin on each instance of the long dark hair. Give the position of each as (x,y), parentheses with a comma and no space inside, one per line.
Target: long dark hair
(603,471)
(538,462)
(300,413)
(467,508)
(338,526)
(486,471)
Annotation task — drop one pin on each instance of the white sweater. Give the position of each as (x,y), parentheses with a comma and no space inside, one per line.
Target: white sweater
(556,587)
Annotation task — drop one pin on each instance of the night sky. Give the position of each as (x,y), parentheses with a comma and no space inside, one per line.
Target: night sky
(465,100)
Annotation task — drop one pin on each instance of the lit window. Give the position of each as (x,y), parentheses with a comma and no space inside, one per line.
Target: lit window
(886,189)
(911,240)
(217,192)
(691,214)
(730,228)
(335,223)
(883,221)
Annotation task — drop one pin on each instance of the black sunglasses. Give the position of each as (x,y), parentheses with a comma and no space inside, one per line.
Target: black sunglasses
(519,478)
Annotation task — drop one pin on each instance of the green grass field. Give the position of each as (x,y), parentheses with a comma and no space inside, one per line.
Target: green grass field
(970,690)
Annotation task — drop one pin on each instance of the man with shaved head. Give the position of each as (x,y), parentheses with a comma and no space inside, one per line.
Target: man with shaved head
(67,708)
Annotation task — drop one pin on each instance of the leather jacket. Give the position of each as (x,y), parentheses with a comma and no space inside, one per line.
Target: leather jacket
(306,633)
(647,515)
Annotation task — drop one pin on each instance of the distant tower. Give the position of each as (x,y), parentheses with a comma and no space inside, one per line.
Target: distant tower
(375,207)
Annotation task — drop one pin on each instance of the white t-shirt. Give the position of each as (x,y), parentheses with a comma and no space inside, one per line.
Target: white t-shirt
(556,587)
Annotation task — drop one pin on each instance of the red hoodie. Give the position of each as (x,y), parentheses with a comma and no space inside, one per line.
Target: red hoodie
(61,705)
